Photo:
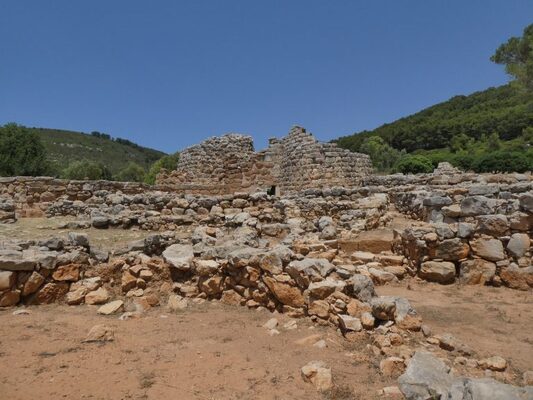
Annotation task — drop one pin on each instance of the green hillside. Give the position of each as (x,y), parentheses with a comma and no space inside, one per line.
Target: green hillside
(506,110)
(64,147)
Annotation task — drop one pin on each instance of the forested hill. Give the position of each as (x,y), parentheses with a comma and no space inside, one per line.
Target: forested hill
(505,110)
(64,147)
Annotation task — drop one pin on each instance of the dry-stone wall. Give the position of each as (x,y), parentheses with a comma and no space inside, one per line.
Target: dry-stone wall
(228,164)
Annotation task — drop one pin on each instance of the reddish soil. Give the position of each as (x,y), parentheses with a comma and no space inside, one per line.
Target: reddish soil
(492,321)
(209,351)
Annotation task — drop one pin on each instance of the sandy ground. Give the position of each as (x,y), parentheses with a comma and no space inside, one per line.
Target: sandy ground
(492,321)
(210,351)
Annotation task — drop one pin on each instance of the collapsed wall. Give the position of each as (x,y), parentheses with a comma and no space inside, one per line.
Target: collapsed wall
(228,164)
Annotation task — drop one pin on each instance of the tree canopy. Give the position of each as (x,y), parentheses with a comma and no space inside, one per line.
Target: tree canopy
(517,56)
(21,152)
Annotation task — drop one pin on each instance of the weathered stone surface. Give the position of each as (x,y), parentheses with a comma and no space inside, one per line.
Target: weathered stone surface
(488,248)
(518,245)
(13,261)
(321,290)
(98,296)
(7,279)
(51,293)
(76,296)
(206,267)
(284,292)
(79,239)
(441,272)
(320,308)
(9,298)
(349,323)
(450,250)
(319,374)
(100,333)
(475,205)
(426,377)
(34,282)
(517,278)
(211,286)
(111,307)
(70,272)
(179,256)
(477,271)
(177,303)
(392,366)
(493,225)
(487,389)
(314,269)
(495,363)
(363,287)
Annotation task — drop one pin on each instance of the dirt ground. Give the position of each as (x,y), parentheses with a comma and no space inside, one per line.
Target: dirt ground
(492,321)
(210,351)
(42,228)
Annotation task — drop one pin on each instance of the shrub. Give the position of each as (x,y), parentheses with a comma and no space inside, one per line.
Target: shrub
(503,161)
(81,170)
(414,165)
(131,173)
(166,162)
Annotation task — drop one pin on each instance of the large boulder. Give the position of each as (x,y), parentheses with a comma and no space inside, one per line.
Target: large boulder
(493,225)
(435,271)
(179,256)
(363,287)
(284,292)
(309,270)
(450,250)
(477,271)
(475,205)
(488,248)
(487,389)
(518,244)
(426,377)
(517,278)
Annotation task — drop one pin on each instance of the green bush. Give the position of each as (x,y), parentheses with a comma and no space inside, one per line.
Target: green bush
(166,162)
(503,161)
(131,173)
(21,152)
(82,170)
(414,165)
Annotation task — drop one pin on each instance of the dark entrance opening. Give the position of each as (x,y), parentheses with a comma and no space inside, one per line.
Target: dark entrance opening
(271,191)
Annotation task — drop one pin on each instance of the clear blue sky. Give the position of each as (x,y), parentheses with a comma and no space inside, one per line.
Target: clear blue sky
(167,74)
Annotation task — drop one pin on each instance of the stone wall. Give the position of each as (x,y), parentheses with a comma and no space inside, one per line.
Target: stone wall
(228,164)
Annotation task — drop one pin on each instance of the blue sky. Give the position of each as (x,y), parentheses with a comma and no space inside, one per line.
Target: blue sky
(167,74)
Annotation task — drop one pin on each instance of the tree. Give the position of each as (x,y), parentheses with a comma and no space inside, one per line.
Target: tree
(21,152)
(382,155)
(132,172)
(460,142)
(166,162)
(414,165)
(86,170)
(517,56)
(493,142)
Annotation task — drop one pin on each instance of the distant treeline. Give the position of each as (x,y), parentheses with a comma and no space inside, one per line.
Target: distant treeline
(22,152)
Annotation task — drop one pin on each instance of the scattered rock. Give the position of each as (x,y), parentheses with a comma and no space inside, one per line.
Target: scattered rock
(100,333)
(111,307)
(319,374)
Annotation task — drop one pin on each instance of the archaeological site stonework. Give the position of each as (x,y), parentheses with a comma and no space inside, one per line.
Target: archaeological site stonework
(321,246)
(229,164)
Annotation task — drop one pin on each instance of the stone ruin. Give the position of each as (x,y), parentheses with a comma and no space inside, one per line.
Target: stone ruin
(319,252)
(229,164)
